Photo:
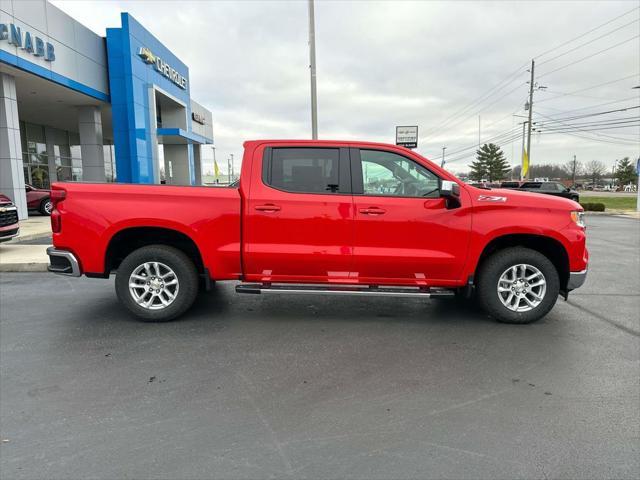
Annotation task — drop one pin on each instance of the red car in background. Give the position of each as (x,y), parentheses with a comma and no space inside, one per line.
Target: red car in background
(9,226)
(38,199)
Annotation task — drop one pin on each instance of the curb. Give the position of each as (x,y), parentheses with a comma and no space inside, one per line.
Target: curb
(23,267)
(33,236)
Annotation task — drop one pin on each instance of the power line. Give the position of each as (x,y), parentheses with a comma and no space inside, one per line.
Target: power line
(494,138)
(589,42)
(479,111)
(588,56)
(586,115)
(507,141)
(590,128)
(578,129)
(588,32)
(590,88)
(601,140)
(590,106)
(511,77)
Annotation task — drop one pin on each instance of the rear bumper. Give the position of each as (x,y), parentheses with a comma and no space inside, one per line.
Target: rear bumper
(63,262)
(576,279)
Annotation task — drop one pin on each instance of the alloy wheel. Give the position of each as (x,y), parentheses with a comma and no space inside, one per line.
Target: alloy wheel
(521,288)
(153,285)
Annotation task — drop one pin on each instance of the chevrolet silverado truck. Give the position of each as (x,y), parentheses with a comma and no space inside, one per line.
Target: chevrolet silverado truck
(323,217)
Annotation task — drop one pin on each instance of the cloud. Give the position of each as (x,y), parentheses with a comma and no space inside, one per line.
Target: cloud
(382,64)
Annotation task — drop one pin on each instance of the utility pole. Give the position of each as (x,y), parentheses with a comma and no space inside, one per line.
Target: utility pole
(533,64)
(232,172)
(443,149)
(573,172)
(312,66)
(229,169)
(522,176)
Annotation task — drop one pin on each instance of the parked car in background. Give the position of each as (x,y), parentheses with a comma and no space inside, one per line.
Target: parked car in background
(510,184)
(39,199)
(551,188)
(9,226)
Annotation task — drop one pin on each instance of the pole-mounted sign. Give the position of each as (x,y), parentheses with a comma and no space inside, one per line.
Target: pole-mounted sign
(407,136)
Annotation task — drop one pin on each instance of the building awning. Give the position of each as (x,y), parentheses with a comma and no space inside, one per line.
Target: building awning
(178,136)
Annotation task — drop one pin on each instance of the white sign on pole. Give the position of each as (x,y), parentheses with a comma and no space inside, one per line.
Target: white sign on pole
(407,136)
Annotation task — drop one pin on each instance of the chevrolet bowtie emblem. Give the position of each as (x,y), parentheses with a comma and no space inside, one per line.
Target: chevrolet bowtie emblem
(147,55)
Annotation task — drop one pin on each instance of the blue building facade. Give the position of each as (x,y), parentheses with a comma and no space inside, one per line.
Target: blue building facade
(81,107)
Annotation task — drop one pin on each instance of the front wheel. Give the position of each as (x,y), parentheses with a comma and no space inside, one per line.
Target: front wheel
(157,283)
(518,285)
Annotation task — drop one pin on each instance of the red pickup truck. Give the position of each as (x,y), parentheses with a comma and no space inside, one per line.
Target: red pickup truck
(323,217)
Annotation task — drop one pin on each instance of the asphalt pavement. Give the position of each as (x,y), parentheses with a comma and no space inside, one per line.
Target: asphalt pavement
(323,387)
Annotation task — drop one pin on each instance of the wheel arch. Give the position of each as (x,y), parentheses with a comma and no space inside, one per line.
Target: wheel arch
(551,248)
(125,241)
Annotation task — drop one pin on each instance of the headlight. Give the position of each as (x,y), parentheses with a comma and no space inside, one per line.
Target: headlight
(578,217)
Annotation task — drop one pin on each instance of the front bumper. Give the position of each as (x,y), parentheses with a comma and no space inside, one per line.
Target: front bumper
(576,279)
(7,234)
(63,262)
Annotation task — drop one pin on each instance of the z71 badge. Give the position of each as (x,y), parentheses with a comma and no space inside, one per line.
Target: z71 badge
(491,198)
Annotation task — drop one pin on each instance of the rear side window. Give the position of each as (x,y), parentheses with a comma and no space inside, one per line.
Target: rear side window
(305,170)
(530,185)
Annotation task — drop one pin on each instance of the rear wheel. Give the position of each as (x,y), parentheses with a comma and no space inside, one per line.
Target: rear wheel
(157,283)
(45,207)
(518,285)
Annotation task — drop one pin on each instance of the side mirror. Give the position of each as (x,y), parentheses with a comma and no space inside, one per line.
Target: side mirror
(449,189)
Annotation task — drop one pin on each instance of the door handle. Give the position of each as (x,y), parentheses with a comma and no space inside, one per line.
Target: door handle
(269,207)
(372,211)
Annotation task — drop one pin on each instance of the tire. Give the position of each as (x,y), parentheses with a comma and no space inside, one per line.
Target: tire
(499,267)
(166,279)
(45,207)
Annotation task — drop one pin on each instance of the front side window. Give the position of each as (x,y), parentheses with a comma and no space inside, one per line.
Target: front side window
(390,174)
(305,170)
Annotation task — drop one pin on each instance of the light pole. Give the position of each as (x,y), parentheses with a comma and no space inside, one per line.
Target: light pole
(312,67)
(443,149)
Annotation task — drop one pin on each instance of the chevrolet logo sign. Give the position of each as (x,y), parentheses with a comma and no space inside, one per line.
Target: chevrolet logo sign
(147,55)
(162,67)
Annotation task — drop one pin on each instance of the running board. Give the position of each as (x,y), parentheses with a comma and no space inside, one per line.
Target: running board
(416,292)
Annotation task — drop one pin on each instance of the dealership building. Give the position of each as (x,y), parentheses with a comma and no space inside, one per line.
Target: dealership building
(75,106)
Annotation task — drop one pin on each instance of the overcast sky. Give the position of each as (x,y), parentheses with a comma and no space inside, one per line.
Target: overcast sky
(382,64)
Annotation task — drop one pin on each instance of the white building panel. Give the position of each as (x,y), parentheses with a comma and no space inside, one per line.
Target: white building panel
(31,12)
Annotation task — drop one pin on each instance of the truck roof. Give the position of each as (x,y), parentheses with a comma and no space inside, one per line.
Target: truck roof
(299,141)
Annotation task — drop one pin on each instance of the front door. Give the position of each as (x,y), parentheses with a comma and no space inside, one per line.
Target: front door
(298,221)
(405,233)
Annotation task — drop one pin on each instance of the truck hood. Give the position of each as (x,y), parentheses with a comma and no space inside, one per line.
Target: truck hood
(519,198)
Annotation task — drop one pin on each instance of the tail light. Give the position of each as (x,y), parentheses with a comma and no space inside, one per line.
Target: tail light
(56,221)
(57,195)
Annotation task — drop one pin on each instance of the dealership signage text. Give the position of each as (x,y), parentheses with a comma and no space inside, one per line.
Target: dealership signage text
(27,41)
(163,67)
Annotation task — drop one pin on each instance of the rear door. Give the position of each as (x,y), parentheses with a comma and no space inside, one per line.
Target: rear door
(298,220)
(404,232)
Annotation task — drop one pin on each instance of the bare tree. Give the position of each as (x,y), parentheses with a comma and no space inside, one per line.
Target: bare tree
(572,169)
(594,170)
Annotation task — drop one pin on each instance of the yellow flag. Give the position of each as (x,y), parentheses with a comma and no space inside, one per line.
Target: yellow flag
(216,169)
(525,163)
